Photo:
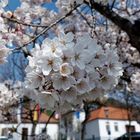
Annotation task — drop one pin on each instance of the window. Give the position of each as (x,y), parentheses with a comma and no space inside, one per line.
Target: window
(130,128)
(108,128)
(24,133)
(116,127)
(4,131)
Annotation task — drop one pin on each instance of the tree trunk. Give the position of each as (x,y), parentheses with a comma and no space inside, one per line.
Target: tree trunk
(86,109)
(83,131)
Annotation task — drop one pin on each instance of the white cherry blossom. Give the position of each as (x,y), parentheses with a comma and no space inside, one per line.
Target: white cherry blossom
(70,95)
(107,81)
(4,51)
(62,82)
(73,69)
(66,69)
(8,96)
(66,40)
(49,62)
(51,46)
(79,58)
(94,94)
(135,81)
(3,26)
(93,78)
(46,100)
(35,80)
(82,86)
(3,3)
(78,73)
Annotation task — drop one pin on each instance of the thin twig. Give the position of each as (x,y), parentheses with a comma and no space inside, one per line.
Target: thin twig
(88,23)
(13,19)
(49,27)
(113,4)
(48,121)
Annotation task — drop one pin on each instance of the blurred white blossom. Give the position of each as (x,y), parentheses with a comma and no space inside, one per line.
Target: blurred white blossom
(8,94)
(135,81)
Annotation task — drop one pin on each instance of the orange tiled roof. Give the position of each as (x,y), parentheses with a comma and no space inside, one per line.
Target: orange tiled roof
(44,118)
(113,113)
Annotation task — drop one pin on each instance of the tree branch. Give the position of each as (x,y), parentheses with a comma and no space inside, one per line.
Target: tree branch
(13,19)
(133,30)
(49,27)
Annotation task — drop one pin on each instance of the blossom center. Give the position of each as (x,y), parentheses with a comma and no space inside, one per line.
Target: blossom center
(50,62)
(77,56)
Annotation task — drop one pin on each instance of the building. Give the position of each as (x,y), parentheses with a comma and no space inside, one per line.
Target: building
(107,123)
(70,125)
(24,129)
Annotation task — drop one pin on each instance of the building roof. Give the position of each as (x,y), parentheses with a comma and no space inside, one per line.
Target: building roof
(43,117)
(27,115)
(113,113)
(26,118)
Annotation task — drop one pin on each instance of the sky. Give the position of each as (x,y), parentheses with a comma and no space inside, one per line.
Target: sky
(13,4)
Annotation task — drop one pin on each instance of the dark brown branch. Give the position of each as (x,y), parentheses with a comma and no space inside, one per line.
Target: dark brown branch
(133,30)
(136,65)
(136,12)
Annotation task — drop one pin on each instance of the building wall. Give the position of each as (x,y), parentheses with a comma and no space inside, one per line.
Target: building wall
(52,130)
(78,118)
(70,125)
(113,133)
(92,130)
(98,128)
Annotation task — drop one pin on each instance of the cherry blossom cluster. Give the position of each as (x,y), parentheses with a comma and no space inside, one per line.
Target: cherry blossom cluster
(66,69)
(22,24)
(64,5)
(4,51)
(125,9)
(3,3)
(135,82)
(8,94)
(69,68)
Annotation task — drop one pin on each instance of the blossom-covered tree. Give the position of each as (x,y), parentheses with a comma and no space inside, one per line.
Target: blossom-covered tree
(76,53)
